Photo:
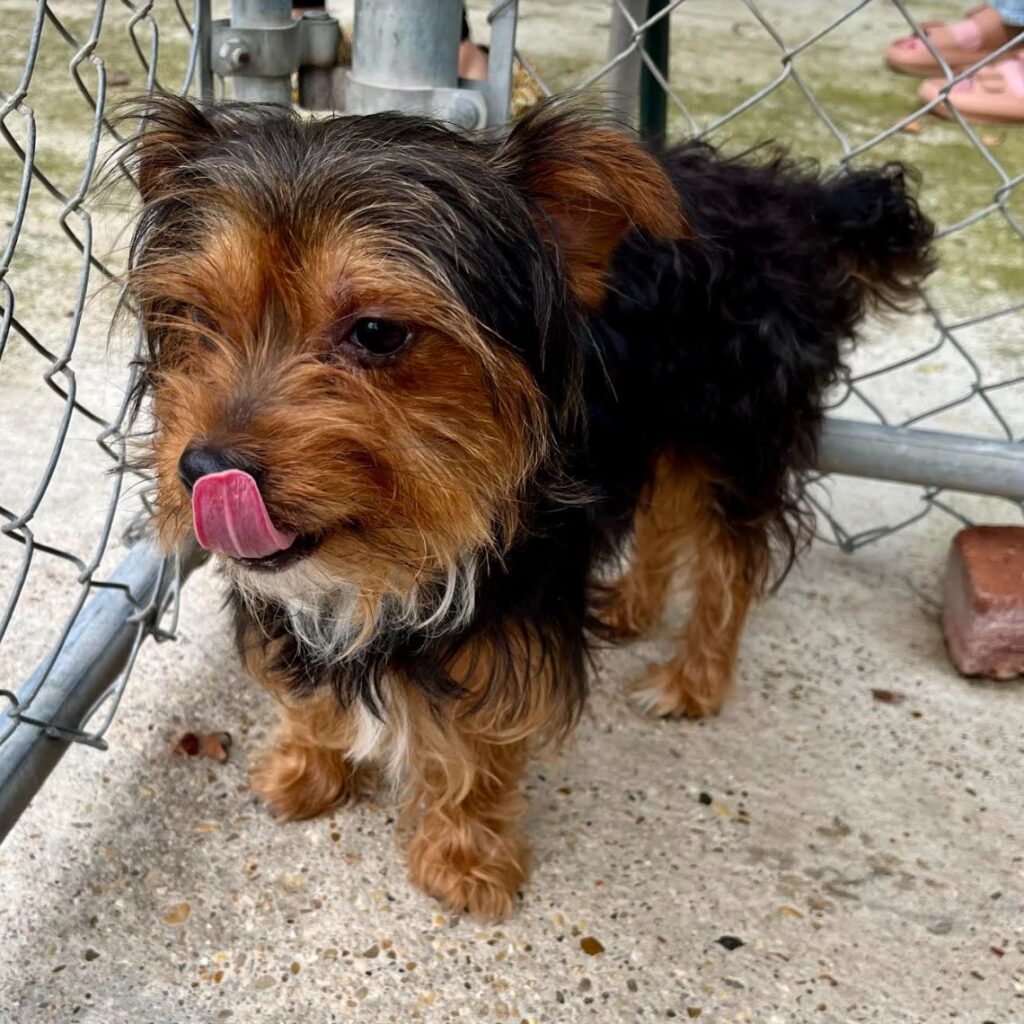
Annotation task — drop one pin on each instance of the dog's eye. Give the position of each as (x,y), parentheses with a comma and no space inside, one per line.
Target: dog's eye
(379,337)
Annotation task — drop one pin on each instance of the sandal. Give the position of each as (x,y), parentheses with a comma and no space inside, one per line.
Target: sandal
(961,43)
(992,95)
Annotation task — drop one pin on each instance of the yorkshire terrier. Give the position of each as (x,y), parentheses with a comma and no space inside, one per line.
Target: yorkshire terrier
(422,392)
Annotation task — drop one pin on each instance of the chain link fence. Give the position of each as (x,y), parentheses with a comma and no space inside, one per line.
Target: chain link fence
(801,74)
(81,585)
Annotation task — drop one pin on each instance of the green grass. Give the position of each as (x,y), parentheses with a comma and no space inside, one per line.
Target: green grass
(46,266)
(63,116)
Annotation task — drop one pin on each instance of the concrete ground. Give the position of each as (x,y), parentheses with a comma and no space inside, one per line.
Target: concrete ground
(853,817)
(869,854)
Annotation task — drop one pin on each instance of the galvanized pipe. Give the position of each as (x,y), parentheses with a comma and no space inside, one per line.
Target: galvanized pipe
(204,64)
(259,14)
(501,60)
(405,56)
(926,457)
(624,78)
(410,43)
(95,653)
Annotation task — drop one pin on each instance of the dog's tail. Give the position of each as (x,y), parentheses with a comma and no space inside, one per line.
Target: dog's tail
(879,230)
(763,303)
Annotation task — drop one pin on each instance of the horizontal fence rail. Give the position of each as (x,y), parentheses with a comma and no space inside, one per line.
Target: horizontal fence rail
(927,457)
(76,687)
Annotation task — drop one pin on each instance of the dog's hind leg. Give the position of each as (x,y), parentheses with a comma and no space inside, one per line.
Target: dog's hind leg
(634,604)
(725,566)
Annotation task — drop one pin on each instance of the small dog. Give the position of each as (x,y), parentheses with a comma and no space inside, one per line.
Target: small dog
(421,391)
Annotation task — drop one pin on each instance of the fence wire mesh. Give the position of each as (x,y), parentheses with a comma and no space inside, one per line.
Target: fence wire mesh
(807,75)
(67,510)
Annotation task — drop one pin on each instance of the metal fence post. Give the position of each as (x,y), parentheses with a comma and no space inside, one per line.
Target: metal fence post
(624,79)
(261,46)
(501,60)
(412,42)
(258,14)
(203,29)
(653,102)
(405,56)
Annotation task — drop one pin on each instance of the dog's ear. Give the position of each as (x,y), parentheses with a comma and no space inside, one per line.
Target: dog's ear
(589,182)
(172,132)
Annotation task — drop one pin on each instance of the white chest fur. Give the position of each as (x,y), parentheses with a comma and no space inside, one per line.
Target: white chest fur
(383,738)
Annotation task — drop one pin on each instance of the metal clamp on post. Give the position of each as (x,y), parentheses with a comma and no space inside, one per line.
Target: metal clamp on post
(261,46)
(405,56)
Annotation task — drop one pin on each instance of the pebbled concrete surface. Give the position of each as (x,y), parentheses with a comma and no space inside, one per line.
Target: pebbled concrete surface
(867,852)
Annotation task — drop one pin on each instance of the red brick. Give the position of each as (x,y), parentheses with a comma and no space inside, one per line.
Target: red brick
(984,601)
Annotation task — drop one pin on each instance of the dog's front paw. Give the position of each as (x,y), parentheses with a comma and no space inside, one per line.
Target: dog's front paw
(479,873)
(625,615)
(679,690)
(300,781)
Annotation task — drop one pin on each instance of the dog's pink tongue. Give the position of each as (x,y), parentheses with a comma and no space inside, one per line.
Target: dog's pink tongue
(230,517)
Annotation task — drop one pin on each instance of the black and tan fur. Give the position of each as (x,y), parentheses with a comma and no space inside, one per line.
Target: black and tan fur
(608,352)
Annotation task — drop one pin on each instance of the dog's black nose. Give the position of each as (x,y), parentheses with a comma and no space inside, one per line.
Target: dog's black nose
(201,460)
